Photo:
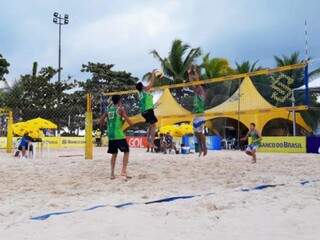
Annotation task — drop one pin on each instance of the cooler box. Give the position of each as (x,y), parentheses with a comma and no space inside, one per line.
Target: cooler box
(213,142)
(185,150)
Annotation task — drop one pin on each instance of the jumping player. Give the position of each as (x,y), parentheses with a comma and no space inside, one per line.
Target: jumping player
(255,144)
(147,107)
(116,115)
(198,108)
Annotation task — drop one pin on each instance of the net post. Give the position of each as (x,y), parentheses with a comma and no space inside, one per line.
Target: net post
(306,83)
(88,129)
(9,133)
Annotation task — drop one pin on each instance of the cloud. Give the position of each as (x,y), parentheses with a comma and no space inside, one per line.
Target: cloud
(126,38)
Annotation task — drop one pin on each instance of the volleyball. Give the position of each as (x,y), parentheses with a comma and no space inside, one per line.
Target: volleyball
(158,73)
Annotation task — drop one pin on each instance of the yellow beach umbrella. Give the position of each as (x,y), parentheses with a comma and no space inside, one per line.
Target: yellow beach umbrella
(41,123)
(35,133)
(186,129)
(20,128)
(165,129)
(177,131)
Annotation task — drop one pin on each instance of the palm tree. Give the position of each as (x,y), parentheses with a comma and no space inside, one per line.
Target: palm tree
(288,60)
(215,67)
(296,74)
(179,59)
(310,116)
(246,66)
(220,91)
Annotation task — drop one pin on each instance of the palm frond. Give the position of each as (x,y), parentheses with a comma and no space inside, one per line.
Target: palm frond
(192,55)
(156,55)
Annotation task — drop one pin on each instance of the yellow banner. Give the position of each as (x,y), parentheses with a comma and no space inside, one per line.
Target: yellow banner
(3,142)
(283,144)
(54,142)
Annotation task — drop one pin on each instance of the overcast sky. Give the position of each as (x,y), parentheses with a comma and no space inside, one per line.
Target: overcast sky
(124,32)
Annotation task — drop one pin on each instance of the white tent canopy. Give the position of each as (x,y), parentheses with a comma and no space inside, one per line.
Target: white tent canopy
(314,84)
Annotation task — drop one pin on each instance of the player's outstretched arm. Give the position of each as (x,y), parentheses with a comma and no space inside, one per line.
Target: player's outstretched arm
(151,81)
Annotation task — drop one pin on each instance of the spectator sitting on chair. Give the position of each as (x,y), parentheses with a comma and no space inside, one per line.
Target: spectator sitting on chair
(24,144)
(98,136)
(162,143)
(157,144)
(169,144)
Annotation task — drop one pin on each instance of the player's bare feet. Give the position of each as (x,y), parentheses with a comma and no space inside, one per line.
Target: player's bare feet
(125,177)
(205,151)
(112,177)
(253,161)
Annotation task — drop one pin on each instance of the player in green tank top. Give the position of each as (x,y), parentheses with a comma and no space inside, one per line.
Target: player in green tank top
(146,101)
(255,142)
(146,107)
(116,116)
(115,123)
(198,100)
(198,108)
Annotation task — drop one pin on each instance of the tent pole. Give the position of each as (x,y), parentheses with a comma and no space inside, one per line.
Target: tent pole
(293,113)
(238,132)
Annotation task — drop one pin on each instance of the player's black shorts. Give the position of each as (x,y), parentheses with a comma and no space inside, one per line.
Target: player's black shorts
(121,144)
(149,116)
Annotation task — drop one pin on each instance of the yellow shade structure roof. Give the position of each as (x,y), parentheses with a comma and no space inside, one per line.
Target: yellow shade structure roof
(250,99)
(168,106)
(253,108)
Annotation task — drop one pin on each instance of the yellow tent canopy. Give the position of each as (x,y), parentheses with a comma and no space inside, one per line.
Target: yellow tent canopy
(253,108)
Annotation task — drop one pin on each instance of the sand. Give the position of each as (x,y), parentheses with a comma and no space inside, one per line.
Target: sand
(34,187)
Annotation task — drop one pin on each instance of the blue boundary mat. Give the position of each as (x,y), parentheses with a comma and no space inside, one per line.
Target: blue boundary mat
(163,200)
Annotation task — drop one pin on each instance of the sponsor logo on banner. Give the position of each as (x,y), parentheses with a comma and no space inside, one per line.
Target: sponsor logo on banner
(137,142)
(73,141)
(54,142)
(3,142)
(283,144)
(281,87)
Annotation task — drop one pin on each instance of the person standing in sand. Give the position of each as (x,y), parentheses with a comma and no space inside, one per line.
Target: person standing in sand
(198,108)
(255,143)
(116,116)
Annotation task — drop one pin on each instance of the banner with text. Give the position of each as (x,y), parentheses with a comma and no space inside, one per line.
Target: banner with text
(283,144)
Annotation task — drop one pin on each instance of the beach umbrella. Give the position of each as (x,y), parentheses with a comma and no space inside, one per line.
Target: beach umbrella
(176,130)
(20,128)
(35,133)
(186,129)
(41,123)
(165,129)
